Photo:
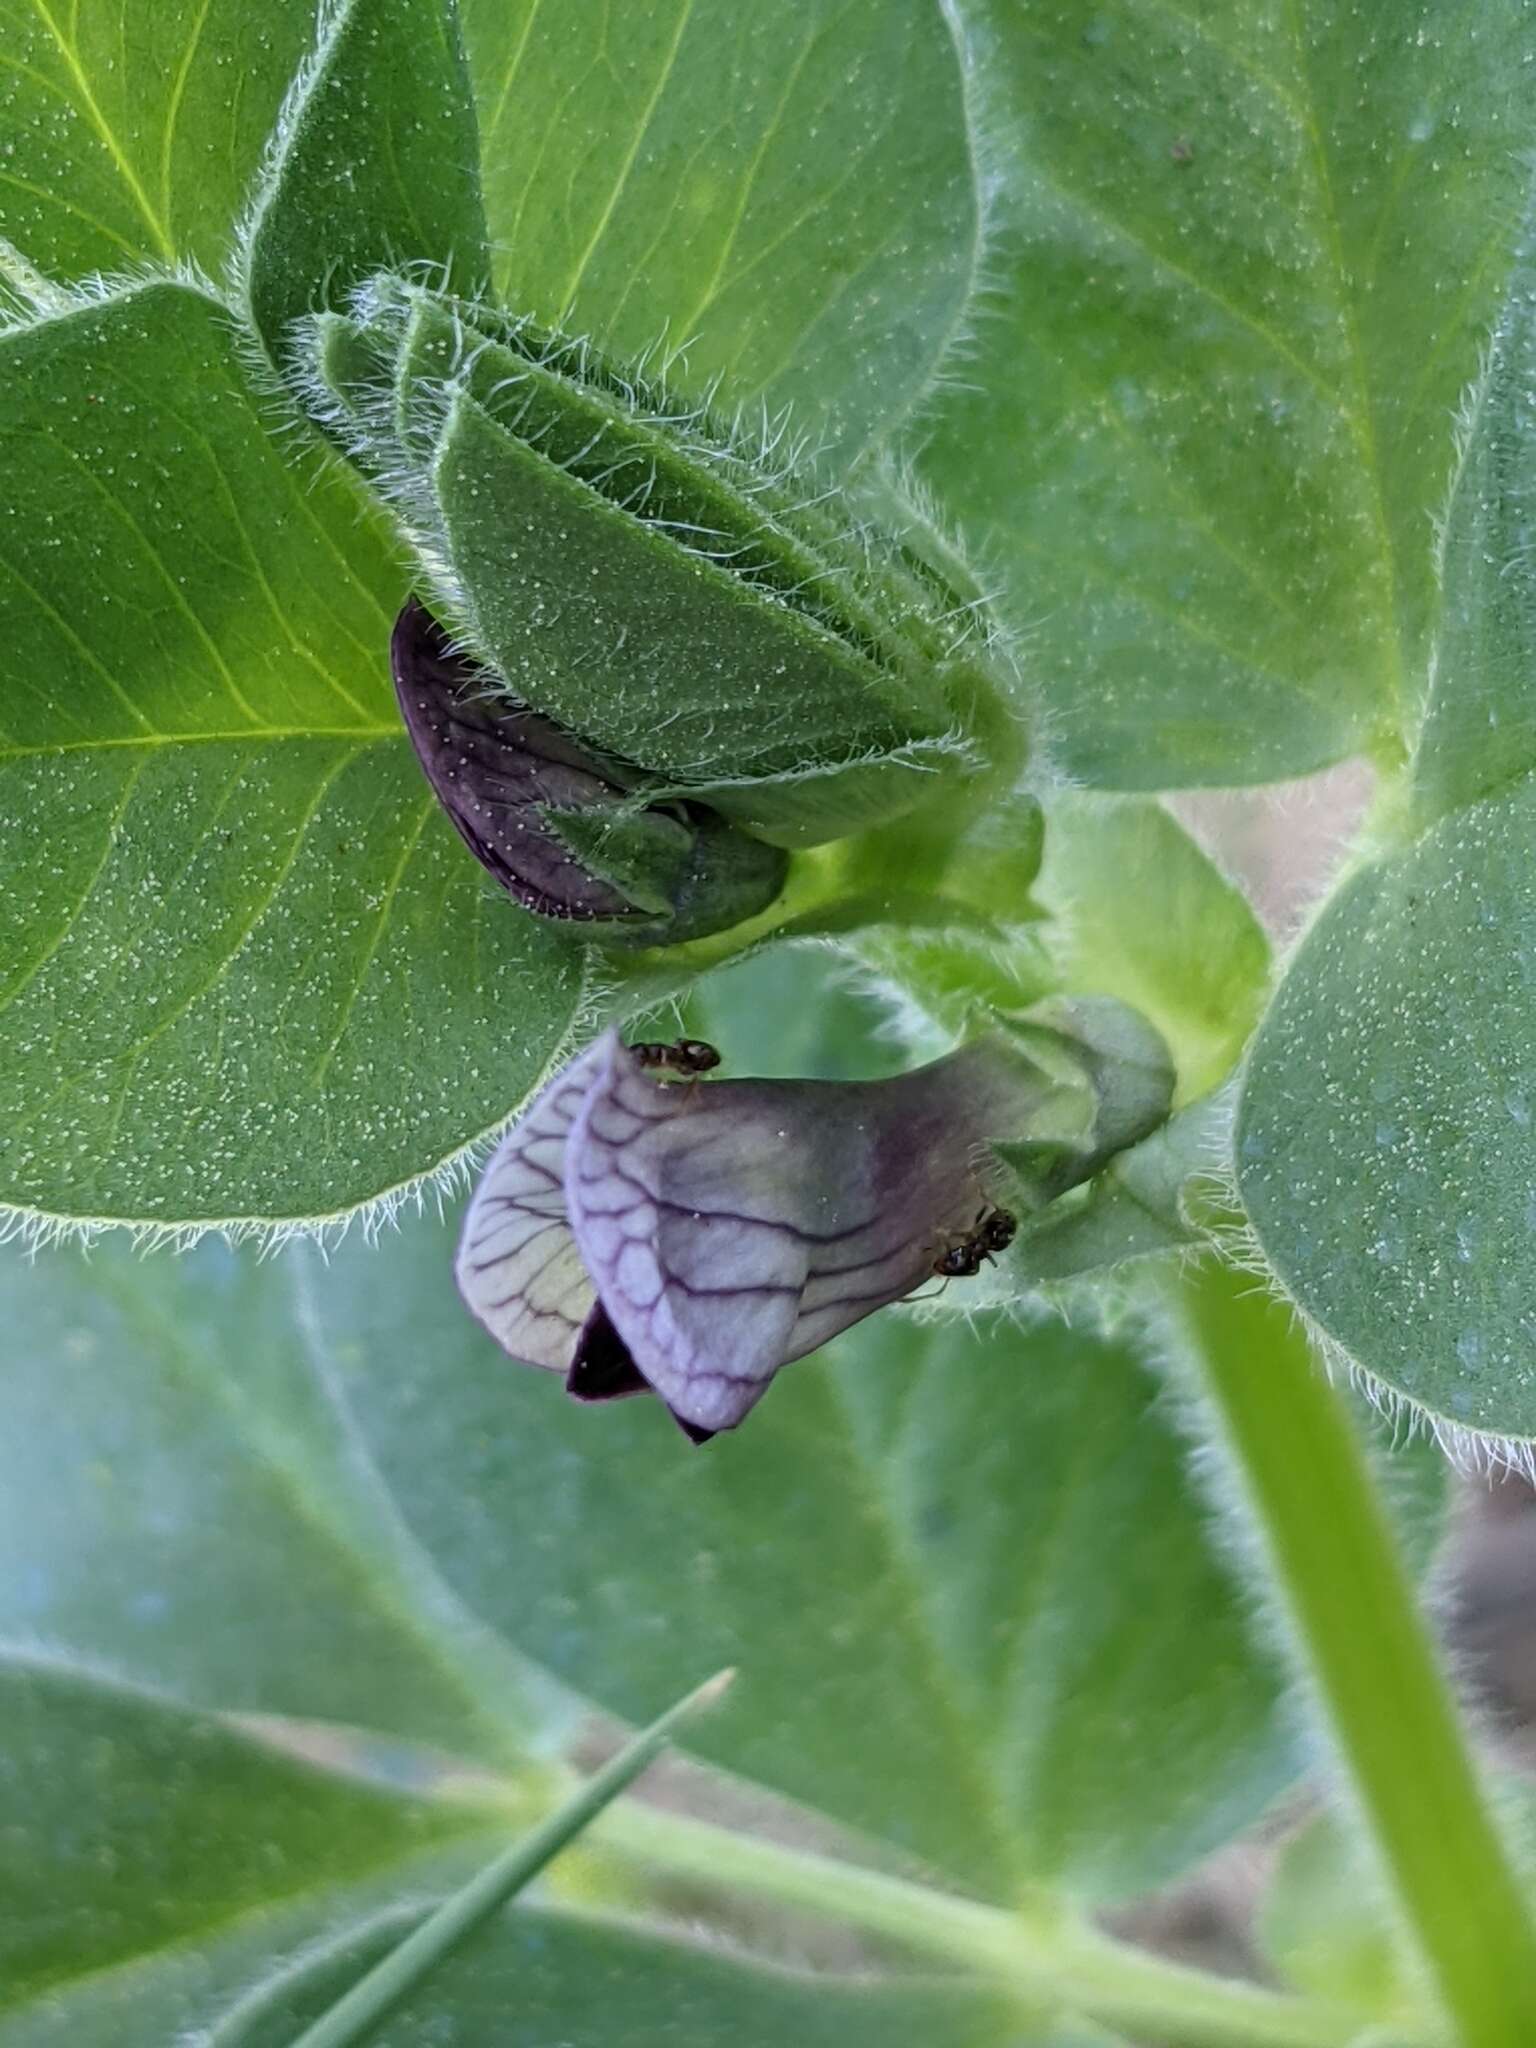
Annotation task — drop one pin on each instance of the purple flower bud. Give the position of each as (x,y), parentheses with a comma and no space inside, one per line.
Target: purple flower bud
(690,1237)
(564,831)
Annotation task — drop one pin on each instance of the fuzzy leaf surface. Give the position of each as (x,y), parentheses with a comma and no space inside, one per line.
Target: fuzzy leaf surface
(1387,1132)
(1248,256)
(1387,1129)
(785,189)
(246,971)
(376,165)
(137,130)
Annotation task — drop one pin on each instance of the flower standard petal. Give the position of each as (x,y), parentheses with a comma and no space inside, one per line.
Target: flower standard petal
(688,1237)
(518,1267)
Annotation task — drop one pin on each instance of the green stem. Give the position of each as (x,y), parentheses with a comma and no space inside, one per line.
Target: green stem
(1055,1961)
(1336,1568)
(358,2011)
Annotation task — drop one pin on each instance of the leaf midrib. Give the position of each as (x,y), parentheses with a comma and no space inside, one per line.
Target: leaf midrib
(364,735)
(165,246)
(973,1758)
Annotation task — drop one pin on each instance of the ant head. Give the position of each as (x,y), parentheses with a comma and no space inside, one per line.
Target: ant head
(999,1230)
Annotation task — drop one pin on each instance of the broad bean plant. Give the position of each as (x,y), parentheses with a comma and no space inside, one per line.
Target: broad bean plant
(599,601)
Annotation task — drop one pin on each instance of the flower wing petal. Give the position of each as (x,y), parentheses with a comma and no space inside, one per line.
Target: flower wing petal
(518,1266)
(704,1293)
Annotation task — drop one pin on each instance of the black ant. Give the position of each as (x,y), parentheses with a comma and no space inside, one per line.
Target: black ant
(690,1056)
(994,1232)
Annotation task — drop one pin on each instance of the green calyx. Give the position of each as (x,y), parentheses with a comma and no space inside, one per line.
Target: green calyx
(683,879)
(662,585)
(1115,1077)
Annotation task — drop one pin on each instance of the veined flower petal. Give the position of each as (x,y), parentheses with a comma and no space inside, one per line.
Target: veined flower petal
(735,1225)
(518,1267)
(565,832)
(689,1237)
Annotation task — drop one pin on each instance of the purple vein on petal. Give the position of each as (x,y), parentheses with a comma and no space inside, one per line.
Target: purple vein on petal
(518,1267)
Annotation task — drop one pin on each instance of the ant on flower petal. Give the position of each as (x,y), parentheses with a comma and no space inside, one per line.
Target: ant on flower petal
(994,1231)
(690,1056)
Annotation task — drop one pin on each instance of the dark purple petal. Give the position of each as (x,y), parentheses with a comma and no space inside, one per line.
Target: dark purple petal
(496,770)
(563,831)
(602,1369)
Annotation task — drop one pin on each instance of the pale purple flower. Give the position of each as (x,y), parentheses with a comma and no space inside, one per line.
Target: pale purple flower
(689,1237)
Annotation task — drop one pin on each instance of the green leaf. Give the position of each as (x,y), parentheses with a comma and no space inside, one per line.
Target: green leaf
(135,131)
(1246,259)
(1386,1151)
(179,1990)
(248,972)
(1017,1648)
(1387,1158)
(130,1824)
(532,1978)
(1479,727)
(375,164)
(1143,914)
(538,1977)
(174,1464)
(787,191)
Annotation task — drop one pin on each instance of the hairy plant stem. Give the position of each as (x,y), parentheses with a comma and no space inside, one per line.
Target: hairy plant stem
(1053,1959)
(1340,1580)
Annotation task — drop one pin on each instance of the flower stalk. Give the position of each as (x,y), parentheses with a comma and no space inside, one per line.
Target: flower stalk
(1368,1656)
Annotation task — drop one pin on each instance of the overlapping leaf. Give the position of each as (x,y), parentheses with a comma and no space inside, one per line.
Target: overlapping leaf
(133,132)
(1248,258)
(785,189)
(537,1976)
(165,1877)
(245,969)
(131,1825)
(949,1519)
(183,1500)
(1387,1149)
(376,164)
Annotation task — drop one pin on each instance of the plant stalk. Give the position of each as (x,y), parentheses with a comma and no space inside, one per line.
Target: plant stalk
(1054,1961)
(1335,1568)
